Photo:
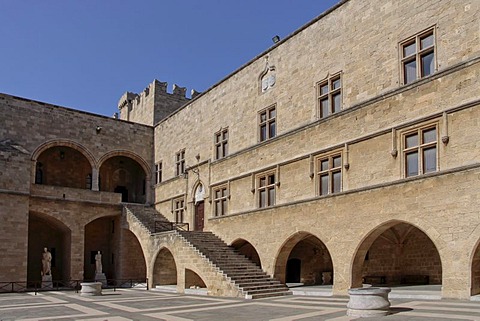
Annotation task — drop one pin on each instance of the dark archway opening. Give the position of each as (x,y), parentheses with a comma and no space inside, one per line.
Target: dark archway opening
(248,250)
(304,259)
(47,232)
(165,269)
(397,254)
(120,174)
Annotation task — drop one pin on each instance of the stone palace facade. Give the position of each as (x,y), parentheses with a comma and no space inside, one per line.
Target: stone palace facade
(347,153)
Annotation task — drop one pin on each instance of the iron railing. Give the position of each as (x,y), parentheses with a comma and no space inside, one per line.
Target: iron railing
(73,285)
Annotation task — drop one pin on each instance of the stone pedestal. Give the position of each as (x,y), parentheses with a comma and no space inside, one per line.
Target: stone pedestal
(368,302)
(91,288)
(100,277)
(47,281)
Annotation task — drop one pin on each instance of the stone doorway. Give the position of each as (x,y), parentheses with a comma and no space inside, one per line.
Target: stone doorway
(294,269)
(199,216)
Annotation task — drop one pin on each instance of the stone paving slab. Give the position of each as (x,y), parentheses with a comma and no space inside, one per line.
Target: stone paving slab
(137,304)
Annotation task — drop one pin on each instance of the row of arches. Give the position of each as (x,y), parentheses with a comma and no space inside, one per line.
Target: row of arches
(394,254)
(68,164)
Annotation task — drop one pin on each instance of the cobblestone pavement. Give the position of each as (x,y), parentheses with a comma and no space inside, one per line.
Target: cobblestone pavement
(136,304)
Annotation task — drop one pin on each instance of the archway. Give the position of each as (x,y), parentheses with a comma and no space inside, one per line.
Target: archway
(397,253)
(246,248)
(124,175)
(45,231)
(165,269)
(193,280)
(63,166)
(99,236)
(131,260)
(304,258)
(475,288)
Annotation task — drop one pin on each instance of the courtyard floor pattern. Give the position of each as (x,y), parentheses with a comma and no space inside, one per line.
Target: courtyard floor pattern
(136,304)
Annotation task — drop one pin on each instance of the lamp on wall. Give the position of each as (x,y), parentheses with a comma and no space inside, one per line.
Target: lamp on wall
(62,154)
(276,39)
(98,129)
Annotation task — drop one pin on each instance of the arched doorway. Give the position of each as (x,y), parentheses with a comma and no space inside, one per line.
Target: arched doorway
(47,232)
(199,207)
(397,253)
(475,287)
(246,248)
(165,269)
(63,166)
(304,259)
(124,175)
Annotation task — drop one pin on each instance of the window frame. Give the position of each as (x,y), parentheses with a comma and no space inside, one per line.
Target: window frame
(420,148)
(220,200)
(418,54)
(220,141)
(329,172)
(329,95)
(267,123)
(158,172)
(267,188)
(178,209)
(180,162)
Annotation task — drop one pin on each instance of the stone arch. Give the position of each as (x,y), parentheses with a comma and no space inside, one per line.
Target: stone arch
(126,173)
(407,255)
(198,196)
(475,269)
(164,268)
(63,163)
(47,231)
(247,249)
(192,279)
(130,251)
(315,258)
(129,154)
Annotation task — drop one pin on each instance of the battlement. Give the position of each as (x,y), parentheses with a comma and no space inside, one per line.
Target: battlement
(153,103)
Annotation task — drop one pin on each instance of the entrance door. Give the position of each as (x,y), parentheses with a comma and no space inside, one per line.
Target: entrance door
(199,216)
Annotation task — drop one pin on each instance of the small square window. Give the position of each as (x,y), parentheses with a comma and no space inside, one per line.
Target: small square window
(266,190)
(330,174)
(420,151)
(267,124)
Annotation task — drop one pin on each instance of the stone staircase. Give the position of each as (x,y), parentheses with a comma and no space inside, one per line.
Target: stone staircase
(246,275)
(146,215)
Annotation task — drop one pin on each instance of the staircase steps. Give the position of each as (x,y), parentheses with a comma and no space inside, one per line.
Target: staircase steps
(245,274)
(147,215)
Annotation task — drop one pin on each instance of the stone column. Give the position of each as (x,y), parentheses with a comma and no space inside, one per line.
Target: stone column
(77,249)
(95,186)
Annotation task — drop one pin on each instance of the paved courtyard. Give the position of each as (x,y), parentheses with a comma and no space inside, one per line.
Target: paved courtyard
(137,304)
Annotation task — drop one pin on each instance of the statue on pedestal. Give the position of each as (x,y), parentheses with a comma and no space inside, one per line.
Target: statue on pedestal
(98,263)
(46,262)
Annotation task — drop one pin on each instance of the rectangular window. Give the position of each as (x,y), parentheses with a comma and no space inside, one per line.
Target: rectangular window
(221,143)
(178,210)
(418,56)
(158,172)
(420,151)
(330,174)
(329,96)
(180,162)
(220,198)
(266,190)
(267,123)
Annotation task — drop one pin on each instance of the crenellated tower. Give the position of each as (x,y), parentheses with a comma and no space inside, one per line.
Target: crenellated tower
(153,104)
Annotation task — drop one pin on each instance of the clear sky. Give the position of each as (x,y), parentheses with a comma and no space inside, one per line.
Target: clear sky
(85,54)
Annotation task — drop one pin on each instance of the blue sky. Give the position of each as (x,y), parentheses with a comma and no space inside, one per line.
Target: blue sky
(85,54)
